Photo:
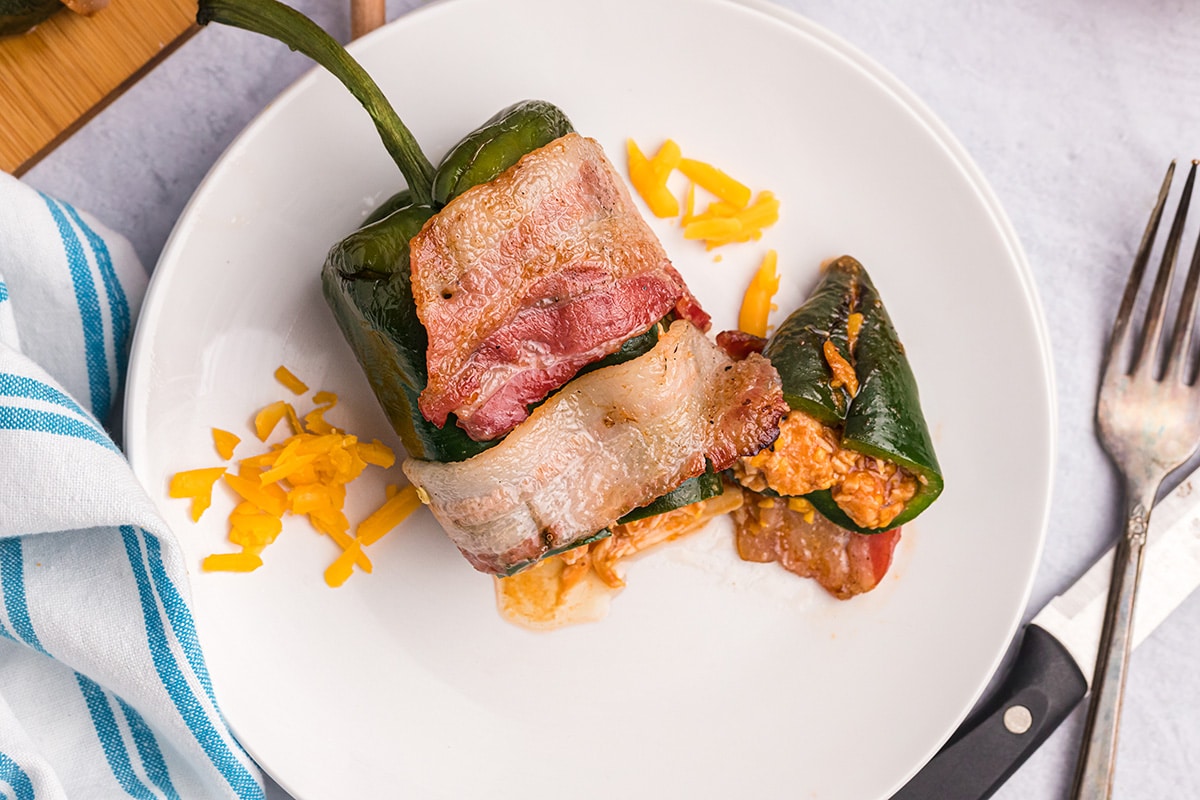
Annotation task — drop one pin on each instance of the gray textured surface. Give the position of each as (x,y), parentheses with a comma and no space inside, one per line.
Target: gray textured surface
(1071,109)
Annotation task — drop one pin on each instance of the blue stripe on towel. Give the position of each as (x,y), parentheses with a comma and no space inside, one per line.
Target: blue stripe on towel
(3,291)
(19,386)
(12,576)
(118,305)
(110,739)
(89,311)
(190,710)
(4,631)
(11,772)
(177,614)
(180,617)
(147,747)
(29,419)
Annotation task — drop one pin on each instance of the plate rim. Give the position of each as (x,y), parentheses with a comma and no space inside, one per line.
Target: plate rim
(140,366)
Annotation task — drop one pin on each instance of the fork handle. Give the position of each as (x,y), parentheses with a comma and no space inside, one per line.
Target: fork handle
(1097,758)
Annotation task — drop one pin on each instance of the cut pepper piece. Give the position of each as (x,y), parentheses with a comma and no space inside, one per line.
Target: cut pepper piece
(884,419)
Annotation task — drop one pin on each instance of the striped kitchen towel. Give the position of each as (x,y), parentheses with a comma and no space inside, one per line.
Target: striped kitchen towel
(103,687)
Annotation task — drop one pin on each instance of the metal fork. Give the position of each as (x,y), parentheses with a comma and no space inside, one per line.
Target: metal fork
(1148,416)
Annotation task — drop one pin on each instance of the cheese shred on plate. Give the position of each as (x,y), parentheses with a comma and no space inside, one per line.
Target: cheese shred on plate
(735,215)
(304,474)
(756,304)
(728,219)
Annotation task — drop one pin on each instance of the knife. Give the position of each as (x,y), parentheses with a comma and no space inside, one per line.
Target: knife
(1057,657)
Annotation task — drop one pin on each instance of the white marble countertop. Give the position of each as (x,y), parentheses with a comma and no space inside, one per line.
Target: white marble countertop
(1071,110)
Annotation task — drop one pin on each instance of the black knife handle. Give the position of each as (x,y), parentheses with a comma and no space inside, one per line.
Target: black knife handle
(986,749)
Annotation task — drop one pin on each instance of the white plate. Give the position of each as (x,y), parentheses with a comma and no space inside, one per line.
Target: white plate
(711,677)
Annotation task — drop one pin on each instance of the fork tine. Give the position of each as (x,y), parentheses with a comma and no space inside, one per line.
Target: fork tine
(1152,330)
(1181,338)
(1120,331)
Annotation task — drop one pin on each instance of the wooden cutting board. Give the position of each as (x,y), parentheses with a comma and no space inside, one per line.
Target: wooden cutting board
(53,79)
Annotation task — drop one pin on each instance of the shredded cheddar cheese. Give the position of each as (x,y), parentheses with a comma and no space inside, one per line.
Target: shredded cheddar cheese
(756,305)
(232,562)
(343,566)
(266,419)
(729,219)
(712,228)
(716,182)
(650,184)
(854,324)
(305,474)
(689,204)
(285,376)
(397,507)
(666,160)
(739,224)
(843,373)
(225,442)
(196,484)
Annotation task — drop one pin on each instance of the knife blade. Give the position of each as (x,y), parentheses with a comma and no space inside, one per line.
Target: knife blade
(1057,656)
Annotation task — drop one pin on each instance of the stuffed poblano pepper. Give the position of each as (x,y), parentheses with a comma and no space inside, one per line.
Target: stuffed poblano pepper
(855,444)
(367,278)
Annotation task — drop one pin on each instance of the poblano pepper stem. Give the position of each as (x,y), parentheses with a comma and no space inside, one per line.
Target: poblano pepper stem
(277,21)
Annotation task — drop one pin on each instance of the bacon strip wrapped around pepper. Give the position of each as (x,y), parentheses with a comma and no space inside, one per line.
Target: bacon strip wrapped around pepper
(608,443)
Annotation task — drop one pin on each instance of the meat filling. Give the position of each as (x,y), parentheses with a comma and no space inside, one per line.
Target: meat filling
(805,543)
(807,457)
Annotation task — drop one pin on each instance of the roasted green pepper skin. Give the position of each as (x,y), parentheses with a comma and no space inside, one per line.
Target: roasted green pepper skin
(367,282)
(603,533)
(497,145)
(884,419)
(796,348)
(693,490)
(368,285)
(703,486)
(394,203)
